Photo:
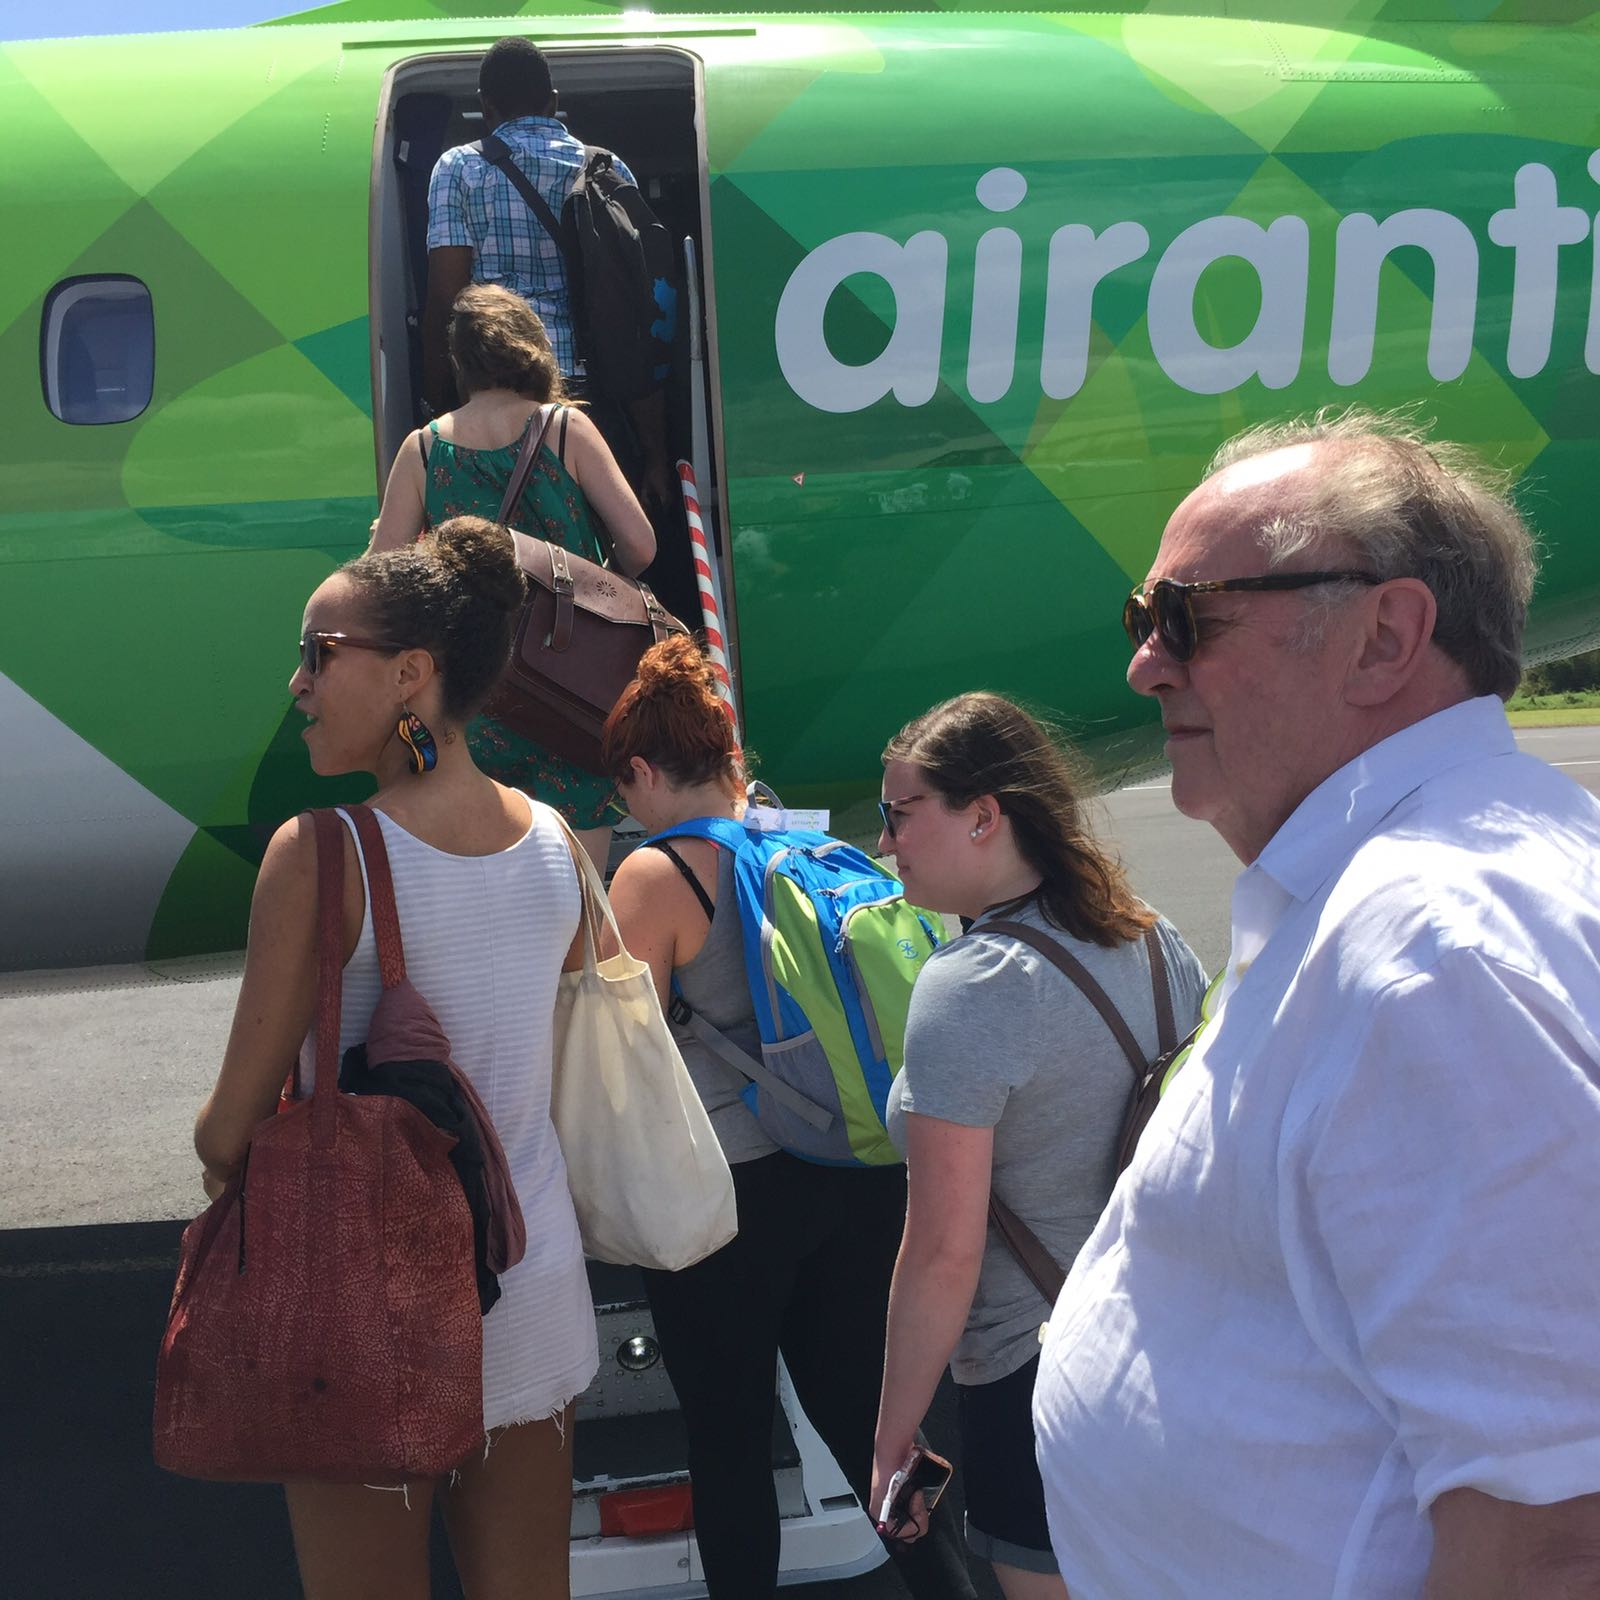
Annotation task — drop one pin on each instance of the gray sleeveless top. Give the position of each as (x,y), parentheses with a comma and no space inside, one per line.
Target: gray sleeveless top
(715,985)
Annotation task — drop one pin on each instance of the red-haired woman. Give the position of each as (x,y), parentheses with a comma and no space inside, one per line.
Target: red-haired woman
(808,1273)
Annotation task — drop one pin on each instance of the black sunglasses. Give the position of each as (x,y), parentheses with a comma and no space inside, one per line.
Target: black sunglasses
(1166,609)
(313,645)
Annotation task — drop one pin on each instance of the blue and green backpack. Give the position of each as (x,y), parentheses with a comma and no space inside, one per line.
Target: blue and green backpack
(831,951)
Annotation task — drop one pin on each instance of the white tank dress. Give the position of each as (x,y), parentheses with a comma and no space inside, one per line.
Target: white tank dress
(485,938)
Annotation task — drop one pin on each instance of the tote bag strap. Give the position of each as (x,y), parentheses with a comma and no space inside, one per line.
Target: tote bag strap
(380,886)
(532,444)
(330,971)
(596,904)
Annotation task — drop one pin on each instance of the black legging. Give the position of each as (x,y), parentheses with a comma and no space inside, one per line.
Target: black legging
(808,1274)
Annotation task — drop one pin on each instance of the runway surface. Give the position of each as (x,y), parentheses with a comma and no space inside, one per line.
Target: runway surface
(104,1071)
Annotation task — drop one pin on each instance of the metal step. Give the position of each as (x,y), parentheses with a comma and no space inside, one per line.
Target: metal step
(629,1432)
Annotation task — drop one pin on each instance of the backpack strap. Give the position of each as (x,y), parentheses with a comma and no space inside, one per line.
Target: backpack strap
(498,153)
(532,444)
(726,831)
(730,835)
(1079,975)
(1042,1269)
(742,1062)
(707,904)
(380,896)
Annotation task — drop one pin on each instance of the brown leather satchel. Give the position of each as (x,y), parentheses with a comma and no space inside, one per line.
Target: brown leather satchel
(325,1322)
(579,639)
(1043,1270)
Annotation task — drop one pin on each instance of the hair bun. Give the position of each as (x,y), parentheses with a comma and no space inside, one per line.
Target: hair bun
(483,555)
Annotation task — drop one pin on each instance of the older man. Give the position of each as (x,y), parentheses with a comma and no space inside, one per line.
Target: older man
(1338,1333)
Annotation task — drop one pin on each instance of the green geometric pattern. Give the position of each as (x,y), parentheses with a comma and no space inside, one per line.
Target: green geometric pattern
(152,573)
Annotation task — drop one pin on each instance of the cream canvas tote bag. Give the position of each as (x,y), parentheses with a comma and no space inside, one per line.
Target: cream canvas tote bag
(649,1182)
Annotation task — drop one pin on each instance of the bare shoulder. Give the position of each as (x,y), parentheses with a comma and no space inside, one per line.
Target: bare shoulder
(644,872)
(290,859)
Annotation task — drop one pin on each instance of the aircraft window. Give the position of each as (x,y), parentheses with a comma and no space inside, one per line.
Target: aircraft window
(97,346)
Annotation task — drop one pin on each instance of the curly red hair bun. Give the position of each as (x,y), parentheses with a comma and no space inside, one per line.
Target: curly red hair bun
(672,716)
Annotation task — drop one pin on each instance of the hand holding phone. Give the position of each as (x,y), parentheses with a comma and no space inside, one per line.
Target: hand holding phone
(922,1474)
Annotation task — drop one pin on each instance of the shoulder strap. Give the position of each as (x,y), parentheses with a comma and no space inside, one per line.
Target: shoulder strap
(731,835)
(532,444)
(706,903)
(380,896)
(1079,974)
(1043,1270)
(496,151)
(561,438)
(1166,1028)
(330,972)
(422,447)
(742,1062)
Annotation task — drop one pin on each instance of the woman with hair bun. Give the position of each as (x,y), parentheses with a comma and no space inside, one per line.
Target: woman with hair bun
(808,1272)
(1012,1084)
(460,464)
(397,651)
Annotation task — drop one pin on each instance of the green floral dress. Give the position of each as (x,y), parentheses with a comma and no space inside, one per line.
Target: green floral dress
(464,482)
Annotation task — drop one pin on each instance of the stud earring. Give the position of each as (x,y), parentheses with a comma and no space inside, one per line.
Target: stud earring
(975,832)
(417,737)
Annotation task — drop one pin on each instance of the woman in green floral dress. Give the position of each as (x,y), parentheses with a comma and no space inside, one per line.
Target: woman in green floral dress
(461,463)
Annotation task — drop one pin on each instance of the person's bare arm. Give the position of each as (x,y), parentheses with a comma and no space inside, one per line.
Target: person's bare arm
(590,461)
(401,517)
(1489,1549)
(449,272)
(276,1001)
(647,895)
(948,1167)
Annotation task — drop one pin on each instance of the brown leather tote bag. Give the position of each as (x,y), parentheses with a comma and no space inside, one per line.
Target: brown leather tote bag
(579,638)
(325,1321)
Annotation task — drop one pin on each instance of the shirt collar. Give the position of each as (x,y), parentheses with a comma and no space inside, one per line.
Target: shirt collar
(1326,828)
(529,125)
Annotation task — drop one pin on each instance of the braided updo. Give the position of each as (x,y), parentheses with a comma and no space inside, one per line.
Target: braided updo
(456,594)
(672,716)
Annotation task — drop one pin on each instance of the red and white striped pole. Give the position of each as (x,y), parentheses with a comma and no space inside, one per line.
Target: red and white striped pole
(706,581)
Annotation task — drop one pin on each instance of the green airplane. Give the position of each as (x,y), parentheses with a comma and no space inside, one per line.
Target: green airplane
(981,293)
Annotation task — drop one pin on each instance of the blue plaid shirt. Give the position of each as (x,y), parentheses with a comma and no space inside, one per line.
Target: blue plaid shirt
(471,202)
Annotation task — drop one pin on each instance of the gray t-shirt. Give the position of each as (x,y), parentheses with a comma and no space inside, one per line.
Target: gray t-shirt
(999,1038)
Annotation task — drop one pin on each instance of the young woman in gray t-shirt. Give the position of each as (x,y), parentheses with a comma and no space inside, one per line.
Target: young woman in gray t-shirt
(1012,1082)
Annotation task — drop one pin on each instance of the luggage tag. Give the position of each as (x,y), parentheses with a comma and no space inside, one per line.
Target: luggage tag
(780,819)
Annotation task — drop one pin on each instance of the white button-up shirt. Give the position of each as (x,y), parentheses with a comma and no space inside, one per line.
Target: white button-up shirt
(1356,1262)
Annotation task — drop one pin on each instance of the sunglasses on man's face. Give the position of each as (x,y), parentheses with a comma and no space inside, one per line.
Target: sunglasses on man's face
(314,646)
(1166,609)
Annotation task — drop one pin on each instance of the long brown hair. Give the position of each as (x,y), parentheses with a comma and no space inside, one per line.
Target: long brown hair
(672,717)
(498,341)
(983,744)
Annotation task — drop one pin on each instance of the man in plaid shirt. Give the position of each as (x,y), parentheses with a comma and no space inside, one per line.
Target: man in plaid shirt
(480,230)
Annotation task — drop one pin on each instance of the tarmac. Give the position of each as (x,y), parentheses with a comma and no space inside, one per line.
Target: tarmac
(104,1071)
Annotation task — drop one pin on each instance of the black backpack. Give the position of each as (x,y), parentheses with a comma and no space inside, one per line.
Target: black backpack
(620,272)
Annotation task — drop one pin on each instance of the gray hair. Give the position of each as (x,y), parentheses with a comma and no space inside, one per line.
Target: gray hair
(1408,506)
